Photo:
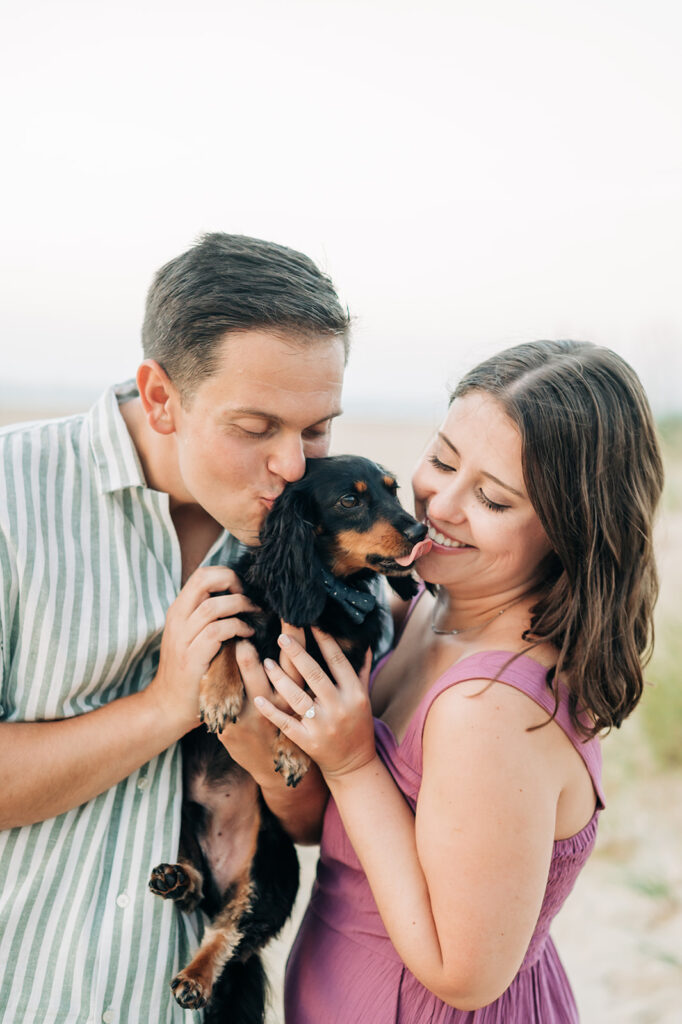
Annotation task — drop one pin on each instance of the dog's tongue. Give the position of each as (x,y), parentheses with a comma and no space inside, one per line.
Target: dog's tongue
(417,551)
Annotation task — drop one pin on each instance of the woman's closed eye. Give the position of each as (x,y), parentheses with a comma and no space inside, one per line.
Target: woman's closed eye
(494,506)
(443,466)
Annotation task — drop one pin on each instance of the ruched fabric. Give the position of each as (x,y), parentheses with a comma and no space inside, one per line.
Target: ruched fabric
(343,968)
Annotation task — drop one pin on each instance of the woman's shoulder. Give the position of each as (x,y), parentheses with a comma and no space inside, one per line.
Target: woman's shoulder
(518,677)
(491,684)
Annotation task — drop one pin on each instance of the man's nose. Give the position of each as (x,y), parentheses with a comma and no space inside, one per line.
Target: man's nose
(288,460)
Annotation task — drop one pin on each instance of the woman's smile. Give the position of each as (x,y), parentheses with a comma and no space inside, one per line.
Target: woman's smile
(442,540)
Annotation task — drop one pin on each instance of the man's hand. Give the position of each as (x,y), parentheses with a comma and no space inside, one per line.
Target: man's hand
(201,618)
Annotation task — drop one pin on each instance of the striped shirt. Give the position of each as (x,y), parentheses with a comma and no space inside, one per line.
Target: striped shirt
(90,562)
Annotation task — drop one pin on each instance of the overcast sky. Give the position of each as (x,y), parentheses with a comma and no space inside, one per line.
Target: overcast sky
(471,174)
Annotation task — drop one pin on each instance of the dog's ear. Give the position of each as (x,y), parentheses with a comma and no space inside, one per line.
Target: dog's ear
(405,586)
(286,567)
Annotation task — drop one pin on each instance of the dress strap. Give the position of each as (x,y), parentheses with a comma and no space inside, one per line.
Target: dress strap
(525,674)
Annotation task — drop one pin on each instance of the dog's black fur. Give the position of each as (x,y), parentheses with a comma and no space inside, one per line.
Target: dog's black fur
(342,518)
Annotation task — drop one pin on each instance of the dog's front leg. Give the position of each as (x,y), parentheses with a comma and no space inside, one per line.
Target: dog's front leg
(221,691)
(290,761)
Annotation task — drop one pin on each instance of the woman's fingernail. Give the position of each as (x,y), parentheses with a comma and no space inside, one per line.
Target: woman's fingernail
(284,640)
(259,702)
(269,664)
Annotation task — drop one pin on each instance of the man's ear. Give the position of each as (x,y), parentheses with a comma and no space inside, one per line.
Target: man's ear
(158,395)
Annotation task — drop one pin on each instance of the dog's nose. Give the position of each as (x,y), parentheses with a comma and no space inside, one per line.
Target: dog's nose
(415,532)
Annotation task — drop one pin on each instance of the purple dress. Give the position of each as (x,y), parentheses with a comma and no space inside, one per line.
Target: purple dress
(343,968)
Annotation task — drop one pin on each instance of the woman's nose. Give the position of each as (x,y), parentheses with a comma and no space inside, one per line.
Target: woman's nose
(446,505)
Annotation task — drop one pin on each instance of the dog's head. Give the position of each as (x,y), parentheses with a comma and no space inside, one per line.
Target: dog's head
(342,516)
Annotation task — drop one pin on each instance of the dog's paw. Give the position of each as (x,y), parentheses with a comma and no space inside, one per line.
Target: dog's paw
(170,881)
(177,882)
(189,992)
(290,761)
(221,691)
(214,715)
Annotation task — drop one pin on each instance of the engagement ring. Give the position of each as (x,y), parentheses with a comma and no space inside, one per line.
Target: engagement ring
(310,713)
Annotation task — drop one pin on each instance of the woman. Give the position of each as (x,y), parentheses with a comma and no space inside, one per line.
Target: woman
(465,787)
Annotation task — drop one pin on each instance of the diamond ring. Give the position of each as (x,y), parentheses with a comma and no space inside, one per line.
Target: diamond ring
(310,713)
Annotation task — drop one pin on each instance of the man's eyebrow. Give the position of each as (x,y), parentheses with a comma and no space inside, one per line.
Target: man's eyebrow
(489,476)
(265,415)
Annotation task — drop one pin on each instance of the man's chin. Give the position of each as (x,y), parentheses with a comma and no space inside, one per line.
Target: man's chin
(249,537)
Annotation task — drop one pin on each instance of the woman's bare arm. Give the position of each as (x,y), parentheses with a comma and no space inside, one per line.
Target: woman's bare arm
(459,887)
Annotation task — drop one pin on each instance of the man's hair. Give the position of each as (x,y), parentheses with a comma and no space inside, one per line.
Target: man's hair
(230,283)
(594,475)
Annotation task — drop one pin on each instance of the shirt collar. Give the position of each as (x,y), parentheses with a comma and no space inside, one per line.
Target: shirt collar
(116,460)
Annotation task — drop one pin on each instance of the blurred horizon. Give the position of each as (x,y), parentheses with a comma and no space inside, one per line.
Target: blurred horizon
(470,175)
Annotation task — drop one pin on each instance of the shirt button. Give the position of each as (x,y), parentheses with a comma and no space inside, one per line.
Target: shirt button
(122,900)
(142,782)
(108,1017)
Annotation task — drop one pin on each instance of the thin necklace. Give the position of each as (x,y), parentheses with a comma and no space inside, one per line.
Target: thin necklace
(468,629)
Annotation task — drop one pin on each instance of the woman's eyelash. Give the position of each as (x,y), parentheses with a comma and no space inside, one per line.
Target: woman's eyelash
(493,505)
(435,461)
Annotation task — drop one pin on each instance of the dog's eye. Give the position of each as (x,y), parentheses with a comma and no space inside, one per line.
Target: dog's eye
(349,501)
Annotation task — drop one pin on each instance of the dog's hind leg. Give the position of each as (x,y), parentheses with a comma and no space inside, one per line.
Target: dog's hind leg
(188,881)
(179,882)
(193,985)
(239,994)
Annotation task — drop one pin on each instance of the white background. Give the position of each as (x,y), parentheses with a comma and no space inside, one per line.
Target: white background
(471,174)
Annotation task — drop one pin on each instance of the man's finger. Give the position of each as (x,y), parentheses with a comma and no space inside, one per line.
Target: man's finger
(256,682)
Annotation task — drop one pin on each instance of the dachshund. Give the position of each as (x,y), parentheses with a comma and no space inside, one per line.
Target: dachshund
(325,539)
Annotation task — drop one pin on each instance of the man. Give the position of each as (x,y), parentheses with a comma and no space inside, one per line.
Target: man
(115,531)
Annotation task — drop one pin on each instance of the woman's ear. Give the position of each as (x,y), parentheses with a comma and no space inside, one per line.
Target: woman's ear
(158,396)
(286,566)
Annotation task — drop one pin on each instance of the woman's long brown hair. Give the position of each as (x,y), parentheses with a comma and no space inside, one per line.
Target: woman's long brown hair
(593,470)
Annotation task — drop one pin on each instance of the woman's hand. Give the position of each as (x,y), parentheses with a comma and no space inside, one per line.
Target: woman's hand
(250,740)
(335,726)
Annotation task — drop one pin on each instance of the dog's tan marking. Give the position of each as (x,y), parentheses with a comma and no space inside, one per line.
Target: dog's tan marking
(390,482)
(346,644)
(360,486)
(352,548)
(221,691)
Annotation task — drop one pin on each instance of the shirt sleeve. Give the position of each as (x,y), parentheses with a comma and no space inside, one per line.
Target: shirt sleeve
(8,577)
